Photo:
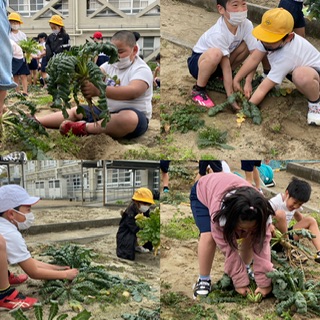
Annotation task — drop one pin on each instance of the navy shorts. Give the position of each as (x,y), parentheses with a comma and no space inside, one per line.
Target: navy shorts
(295,8)
(43,64)
(194,68)
(19,67)
(215,165)
(248,165)
(200,212)
(164,165)
(141,128)
(33,65)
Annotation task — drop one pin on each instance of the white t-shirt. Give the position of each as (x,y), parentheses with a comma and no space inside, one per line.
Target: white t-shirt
(16,37)
(17,250)
(278,204)
(138,70)
(16,50)
(296,53)
(219,36)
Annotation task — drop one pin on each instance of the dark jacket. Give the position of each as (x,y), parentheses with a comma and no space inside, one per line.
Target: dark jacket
(57,43)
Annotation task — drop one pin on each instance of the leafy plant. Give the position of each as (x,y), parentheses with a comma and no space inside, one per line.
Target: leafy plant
(313,9)
(143,315)
(18,314)
(183,119)
(29,46)
(70,69)
(149,229)
(213,137)
(249,109)
(294,293)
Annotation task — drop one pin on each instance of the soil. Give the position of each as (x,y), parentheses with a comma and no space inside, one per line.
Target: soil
(283,134)
(146,266)
(179,264)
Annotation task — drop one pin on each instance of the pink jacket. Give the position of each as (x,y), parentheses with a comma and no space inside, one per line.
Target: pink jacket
(210,190)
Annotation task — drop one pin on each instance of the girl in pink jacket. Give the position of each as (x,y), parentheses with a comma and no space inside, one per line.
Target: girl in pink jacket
(227,208)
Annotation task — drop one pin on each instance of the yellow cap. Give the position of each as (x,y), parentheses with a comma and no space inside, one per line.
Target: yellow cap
(275,24)
(55,19)
(15,16)
(143,195)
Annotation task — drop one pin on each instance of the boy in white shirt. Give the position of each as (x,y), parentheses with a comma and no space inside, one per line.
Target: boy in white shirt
(221,49)
(286,207)
(289,55)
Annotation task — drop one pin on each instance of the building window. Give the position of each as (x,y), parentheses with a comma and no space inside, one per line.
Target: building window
(40,185)
(147,46)
(53,184)
(76,181)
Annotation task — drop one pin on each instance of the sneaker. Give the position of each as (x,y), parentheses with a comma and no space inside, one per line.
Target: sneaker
(166,190)
(17,300)
(250,272)
(77,128)
(202,98)
(201,288)
(314,114)
(14,280)
(142,249)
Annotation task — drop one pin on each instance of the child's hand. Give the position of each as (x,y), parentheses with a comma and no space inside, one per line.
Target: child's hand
(71,273)
(243,291)
(235,106)
(263,291)
(247,90)
(236,85)
(89,90)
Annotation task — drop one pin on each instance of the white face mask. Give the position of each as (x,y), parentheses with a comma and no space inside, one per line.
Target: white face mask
(143,208)
(27,223)
(236,18)
(15,26)
(123,63)
(55,31)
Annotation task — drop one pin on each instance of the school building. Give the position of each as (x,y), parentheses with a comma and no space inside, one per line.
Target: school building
(84,17)
(86,181)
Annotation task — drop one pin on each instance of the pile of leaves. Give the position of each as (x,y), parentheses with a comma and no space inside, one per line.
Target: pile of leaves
(70,69)
(18,314)
(149,229)
(92,282)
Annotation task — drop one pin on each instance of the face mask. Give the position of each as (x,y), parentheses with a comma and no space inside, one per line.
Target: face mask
(144,208)
(26,224)
(123,63)
(55,31)
(15,27)
(237,18)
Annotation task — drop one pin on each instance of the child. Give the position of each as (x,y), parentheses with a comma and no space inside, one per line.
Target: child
(289,55)
(58,41)
(226,208)
(286,207)
(102,57)
(42,38)
(164,168)
(251,172)
(127,232)
(221,49)
(213,165)
(22,72)
(15,215)
(295,8)
(6,82)
(156,72)
(10,298)
(129,103)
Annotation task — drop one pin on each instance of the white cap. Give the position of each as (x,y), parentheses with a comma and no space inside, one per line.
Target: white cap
(12,196)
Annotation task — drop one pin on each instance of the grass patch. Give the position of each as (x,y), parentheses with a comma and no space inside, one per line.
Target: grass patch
(180,227)
(213,137)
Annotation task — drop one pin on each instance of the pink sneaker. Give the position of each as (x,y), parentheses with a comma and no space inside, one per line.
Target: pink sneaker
(202,98)
(77,128)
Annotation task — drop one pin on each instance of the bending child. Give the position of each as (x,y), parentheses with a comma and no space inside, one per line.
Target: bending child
(221,49)
(286,207)
(227,208)
(289,56)
(15,215)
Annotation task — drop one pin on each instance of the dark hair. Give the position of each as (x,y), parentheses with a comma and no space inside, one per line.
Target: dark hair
(42,35)
(299,189)
(222,3)
(158,57)
(244,204)
(136,35)
(125,36)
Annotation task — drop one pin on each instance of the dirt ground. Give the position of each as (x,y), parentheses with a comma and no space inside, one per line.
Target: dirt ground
(283,134)
(179,265)
(146,267)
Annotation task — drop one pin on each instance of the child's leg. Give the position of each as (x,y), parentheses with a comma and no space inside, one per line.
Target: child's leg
(16,79)
(239,55)
(4,280)
(206,251)
(3,94)
(256,177)
(311,224)
(24,81)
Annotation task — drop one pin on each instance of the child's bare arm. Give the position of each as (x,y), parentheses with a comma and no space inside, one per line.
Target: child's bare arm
(265,86)
(227,75)
(298,216)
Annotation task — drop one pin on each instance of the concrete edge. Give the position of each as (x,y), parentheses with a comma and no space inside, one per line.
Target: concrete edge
(72,226)
(255,13)
(304,172)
